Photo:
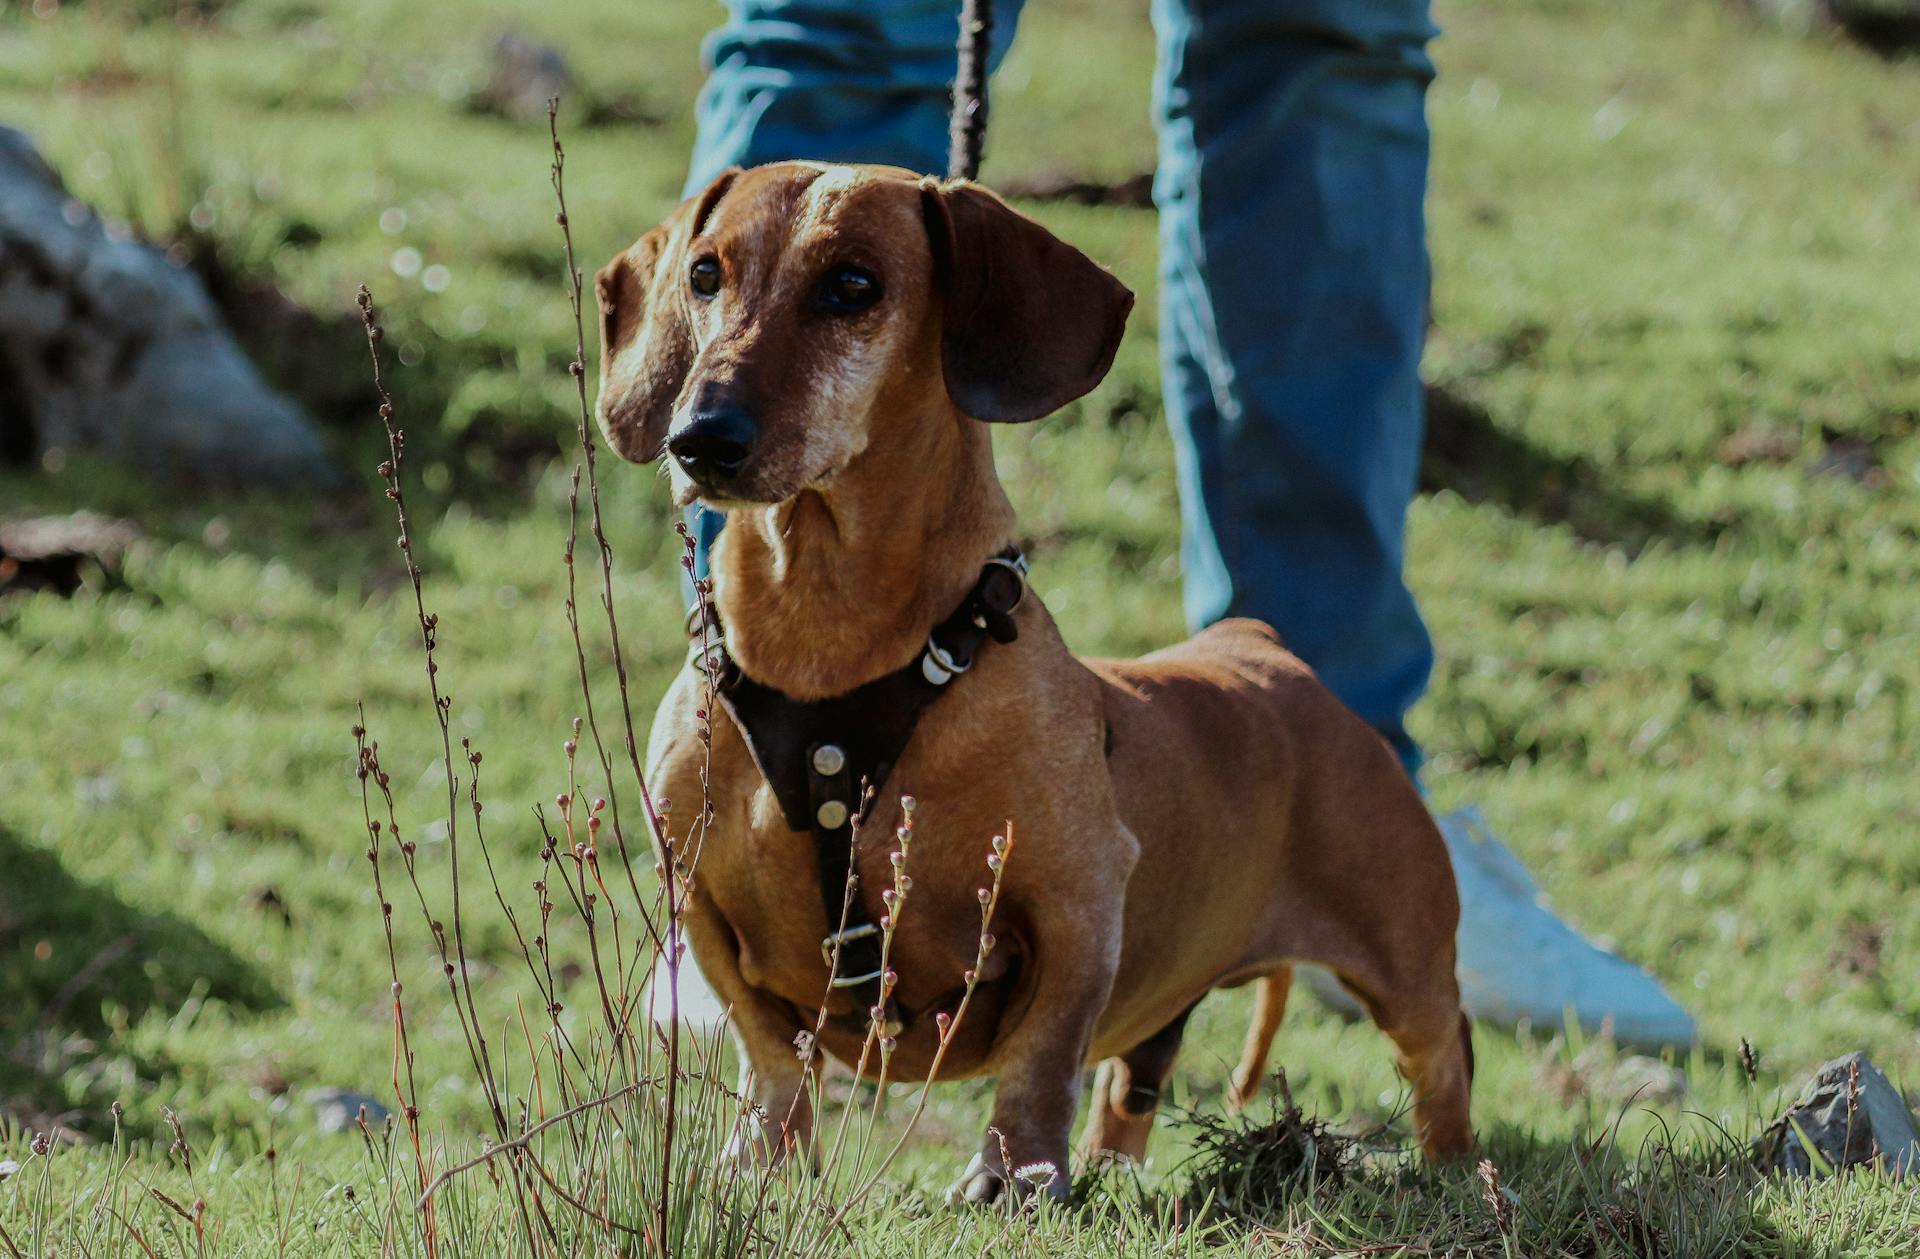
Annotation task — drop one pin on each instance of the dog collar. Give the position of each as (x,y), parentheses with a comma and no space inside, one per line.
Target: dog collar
(827,759)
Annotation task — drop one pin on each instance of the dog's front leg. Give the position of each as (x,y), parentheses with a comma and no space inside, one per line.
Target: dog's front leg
(1044,1060)
(773,1075)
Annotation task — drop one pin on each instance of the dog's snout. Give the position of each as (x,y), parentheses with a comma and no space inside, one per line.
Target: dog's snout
(715,445)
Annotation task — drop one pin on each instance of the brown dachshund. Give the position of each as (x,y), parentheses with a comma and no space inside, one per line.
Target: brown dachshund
(816,346)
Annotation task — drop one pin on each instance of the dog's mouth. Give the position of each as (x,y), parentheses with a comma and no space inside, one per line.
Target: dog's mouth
(713,500)
(725,496)
(755,487)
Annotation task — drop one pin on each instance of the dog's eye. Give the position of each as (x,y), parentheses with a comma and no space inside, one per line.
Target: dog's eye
(704,277)
(849,289)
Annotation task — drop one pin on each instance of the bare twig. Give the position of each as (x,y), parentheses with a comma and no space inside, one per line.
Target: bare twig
(459,975)
(442,710)
(589,450)
(947,1026)
(667,941)
(369,768)
(519,1142)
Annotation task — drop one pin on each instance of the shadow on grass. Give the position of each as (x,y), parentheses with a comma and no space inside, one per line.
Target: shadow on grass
(77,963)
(1281,1180)
(1471,454)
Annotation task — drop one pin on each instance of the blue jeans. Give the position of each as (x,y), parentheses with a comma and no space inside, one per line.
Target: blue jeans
(1293,277)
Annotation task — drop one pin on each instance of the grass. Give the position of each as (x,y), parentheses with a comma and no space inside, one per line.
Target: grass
(1668,550)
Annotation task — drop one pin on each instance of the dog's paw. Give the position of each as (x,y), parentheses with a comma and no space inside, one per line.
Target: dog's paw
(759,1145)
(979,1185)
(752,1151)
(983,1184)
(1243,1089)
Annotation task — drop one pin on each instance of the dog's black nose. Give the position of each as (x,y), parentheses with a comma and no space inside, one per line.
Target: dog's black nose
(715,445)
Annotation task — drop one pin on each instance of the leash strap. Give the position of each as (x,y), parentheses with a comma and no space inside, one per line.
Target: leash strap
(967,118)
(826,759)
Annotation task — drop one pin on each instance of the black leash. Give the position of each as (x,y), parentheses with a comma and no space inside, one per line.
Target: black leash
(967,128)
(825,759)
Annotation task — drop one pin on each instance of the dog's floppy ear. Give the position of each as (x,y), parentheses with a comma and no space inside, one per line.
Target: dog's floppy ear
(646,343)
(1031,323)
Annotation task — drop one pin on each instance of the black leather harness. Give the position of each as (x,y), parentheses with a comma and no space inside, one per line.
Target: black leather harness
(826,759)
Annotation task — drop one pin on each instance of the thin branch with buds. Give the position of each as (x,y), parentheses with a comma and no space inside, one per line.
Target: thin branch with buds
(520,1142)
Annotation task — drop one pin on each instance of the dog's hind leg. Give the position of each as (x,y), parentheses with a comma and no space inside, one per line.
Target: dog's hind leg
(1434,1052)
(1436,1057)
(1126,1094)
(1269,1007)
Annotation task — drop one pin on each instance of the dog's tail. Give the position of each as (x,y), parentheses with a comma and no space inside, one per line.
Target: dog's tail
(1269,1007)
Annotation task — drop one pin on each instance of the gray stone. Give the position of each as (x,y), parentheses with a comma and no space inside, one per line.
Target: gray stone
(106,347)
(524,77)
(1851,1115)
(1639,1078)
(338,1110)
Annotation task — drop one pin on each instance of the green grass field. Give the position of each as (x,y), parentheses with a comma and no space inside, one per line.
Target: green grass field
(1668,547)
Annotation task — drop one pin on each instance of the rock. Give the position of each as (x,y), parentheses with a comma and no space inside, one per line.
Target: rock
(1639,1078)
(267,900)
(1852,458)
(1851,1115)
(1759,443)
(525,77)
(1597,1072)
(61,553)
(107,347)
(338,1110)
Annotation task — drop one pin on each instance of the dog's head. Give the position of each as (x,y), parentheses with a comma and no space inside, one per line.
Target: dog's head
(753,335)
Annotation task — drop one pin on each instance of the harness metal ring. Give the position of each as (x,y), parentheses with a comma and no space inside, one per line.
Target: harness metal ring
(860,932)
(853,981)
(702,658)
(944,659)
(1018,567)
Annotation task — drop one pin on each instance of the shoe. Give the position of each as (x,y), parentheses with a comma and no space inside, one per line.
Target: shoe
(1518,962)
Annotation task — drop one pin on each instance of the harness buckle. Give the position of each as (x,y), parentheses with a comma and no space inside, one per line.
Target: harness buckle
(1017,565)
(859,931)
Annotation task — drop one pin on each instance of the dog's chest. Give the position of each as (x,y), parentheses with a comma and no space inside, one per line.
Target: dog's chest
(763,880)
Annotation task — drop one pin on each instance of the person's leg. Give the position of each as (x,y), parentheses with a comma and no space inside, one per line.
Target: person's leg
(830,81)
(833,81)
(1293,168)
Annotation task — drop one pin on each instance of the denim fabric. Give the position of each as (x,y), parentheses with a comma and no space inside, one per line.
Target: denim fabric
(1293,165)
(1293,303)
(833,81)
